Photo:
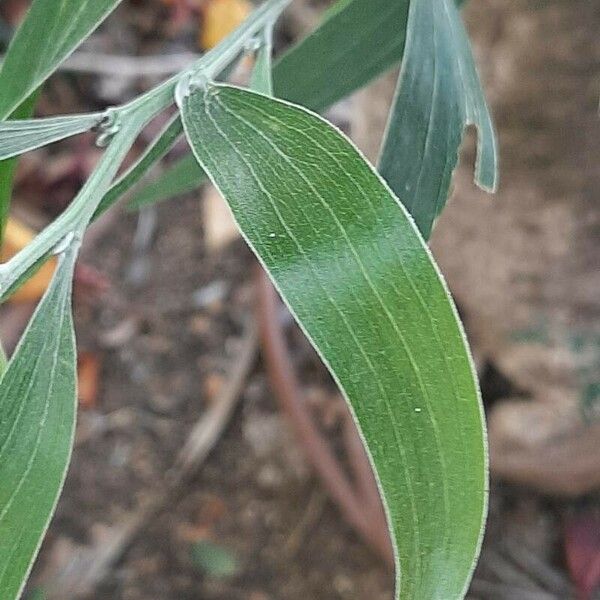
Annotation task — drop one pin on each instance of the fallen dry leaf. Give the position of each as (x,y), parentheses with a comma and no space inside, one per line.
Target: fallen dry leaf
(88,371)
(221,17)
(219,227)
(16,237)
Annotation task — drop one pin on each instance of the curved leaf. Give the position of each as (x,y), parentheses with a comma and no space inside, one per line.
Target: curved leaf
(37,421)
(438,95)
(361,282)
(52,29)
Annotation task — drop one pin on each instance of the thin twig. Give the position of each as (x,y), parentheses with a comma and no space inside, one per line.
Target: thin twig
(128,67)
(310,518)
(206,432)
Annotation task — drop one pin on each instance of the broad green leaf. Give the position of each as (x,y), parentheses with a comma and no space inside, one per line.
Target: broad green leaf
(182,177)
(20,136)
(359,279)
(37,421)
(9,167)
(52,29)
(439,94)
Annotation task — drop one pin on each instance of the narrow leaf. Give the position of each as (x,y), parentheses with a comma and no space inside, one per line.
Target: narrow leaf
(159,148)
(17,137)
(261,79)
(359,279)
(37,420)
(9,167)
(358,41)
(439,94)
(52,29)
(182,177)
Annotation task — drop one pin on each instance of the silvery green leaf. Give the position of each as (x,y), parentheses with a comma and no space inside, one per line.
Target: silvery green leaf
(19,136)
(37,422)
(261,79)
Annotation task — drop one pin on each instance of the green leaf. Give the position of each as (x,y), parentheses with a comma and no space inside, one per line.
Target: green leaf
(261,79)
(52,29)
(37,421)
(18,137)
(182,177)
(439,94)
(358,41)
(159,148)
(359,279)
(9,167)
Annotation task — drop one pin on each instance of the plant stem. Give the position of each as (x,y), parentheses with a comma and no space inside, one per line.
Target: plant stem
(76,217)
(129,120)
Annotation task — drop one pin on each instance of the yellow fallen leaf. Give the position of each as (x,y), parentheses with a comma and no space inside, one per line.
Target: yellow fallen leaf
(16,237)
(221,17)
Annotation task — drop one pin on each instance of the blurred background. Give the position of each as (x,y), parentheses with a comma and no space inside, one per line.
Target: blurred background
(214,458)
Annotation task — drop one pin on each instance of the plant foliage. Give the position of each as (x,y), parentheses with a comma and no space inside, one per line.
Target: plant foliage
(334,236)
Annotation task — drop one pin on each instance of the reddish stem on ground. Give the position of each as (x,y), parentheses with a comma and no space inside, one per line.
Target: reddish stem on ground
(359,503)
